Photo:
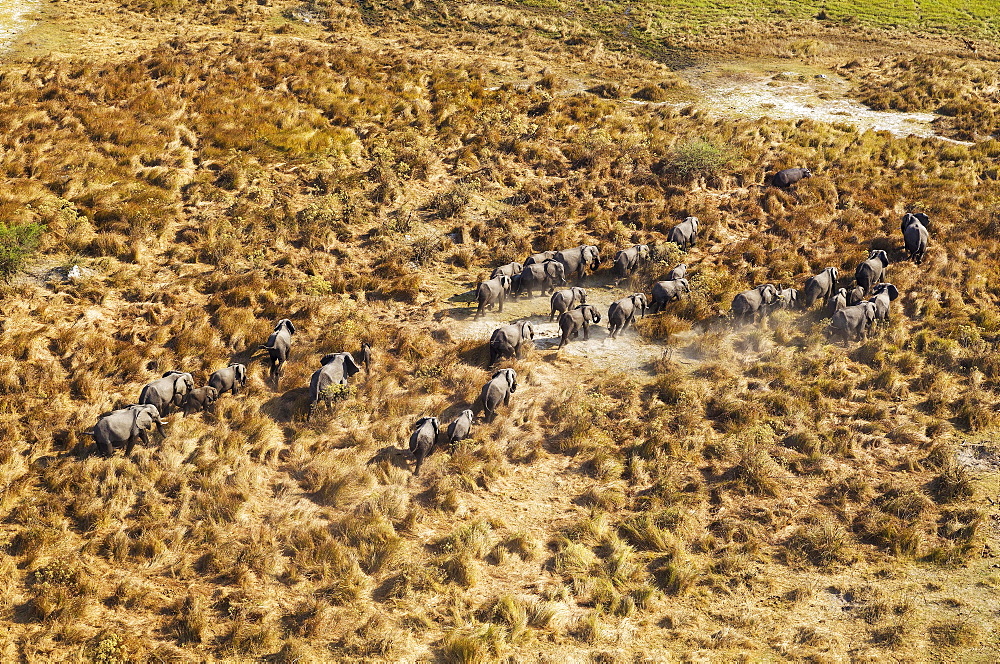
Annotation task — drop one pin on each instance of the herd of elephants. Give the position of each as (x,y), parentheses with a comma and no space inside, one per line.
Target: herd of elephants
(546,272)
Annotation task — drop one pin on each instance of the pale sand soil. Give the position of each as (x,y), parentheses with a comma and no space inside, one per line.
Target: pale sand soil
(15,18)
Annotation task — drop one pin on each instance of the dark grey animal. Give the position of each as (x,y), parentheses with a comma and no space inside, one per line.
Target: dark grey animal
(366,356)
(167,392)
(685,234)
(838,301)
(853,321)
(498,390)
(748,304)
(335,370)
(820,286)
(564,300)
(627,260)
(883,295)
(540,276)
(124,426)
(540,257)
(230,379)
(200,399)
(509,270)
(788,298)
(872,271)
(571,322)
(678,272)
(910,217)
(668,291)
(621,314)
(855,296)
(790,176)
(915,236)
(278,346)
(578,259)
(424,440)
(508,340)
(461,427)
(492,293)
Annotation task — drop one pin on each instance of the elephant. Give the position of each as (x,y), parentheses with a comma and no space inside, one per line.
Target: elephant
(498,390)
(200,399)
(855,296)
(424,440)
(230,379)
(668,291)
(540,276)
(911,217)
(124,426)
(872,271)
(853,321)
(788,298)
(915,236)
(564,300)
(678,272)
(838,301)
(627,260)
(883,295)
(685,234)
(621,314)
(540,257)
(366,356)
(167,392)
(335,370)
(573,321)
(492,293)
(752,302)
(577,259)
(508,340)
(820,286)
(460,428)
(509,270)
(278,346)
(790,176)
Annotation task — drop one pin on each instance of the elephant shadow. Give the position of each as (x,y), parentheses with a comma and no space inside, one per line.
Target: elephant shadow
(392,455)
(285,407)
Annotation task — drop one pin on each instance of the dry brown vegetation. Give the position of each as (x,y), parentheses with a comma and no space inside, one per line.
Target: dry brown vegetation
(753,494)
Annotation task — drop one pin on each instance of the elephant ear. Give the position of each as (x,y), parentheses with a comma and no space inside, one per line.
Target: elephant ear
(327,359)
(180,384)
(884,257)
(291,326)
(241,373)
(137,412)
(923,219)
(350,366)
(893,293)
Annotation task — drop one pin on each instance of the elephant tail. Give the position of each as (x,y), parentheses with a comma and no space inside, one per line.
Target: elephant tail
(87,433)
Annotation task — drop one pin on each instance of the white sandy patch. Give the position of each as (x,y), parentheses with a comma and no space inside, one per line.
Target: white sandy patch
(14,19)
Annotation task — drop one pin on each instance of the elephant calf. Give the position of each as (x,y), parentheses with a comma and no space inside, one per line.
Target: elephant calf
(748,304)
(668,291)
(230,379)
(497,391)
(508,270)
(125,425)
(838,301)
(335,369)
(508,340)
(571,322)
(621,314)
(788,298)
(883,295)
(423,440)
(872,271)
(492,293)
(915,236)
(820,287)
(678,272)
(627,260)
(685,234)
(853,321)
(564,300)
(200,400)
(461,427)
(366,356)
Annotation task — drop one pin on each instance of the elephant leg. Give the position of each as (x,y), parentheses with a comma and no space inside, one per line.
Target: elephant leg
(563,339)
(502,298)
(586,332)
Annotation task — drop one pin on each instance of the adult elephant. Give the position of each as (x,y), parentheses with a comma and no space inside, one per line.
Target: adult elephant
(883,295)
(508,340)
(911,217)
(167,392)
(853,321)
(820,287)
(200,399)
(915,236)
(540,276)
(668,291)
(540,257)
(685,234)
(423,440)
(621,314)
(679,272)
(789,176)
(872,271)
(461,427)
(577,259)
(278,347)
(564,300)
(124,426)
(492,293)
(627,260)
(571,322)
(335,370)
(231,379)
(497,391)
(749,304)
(508,270)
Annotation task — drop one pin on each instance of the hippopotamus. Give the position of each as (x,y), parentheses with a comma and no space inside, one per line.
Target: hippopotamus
(790,176)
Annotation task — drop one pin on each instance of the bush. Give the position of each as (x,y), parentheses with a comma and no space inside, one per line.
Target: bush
(17,241)
(695,158)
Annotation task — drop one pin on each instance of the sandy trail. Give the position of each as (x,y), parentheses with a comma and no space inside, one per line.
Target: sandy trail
(14,19)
